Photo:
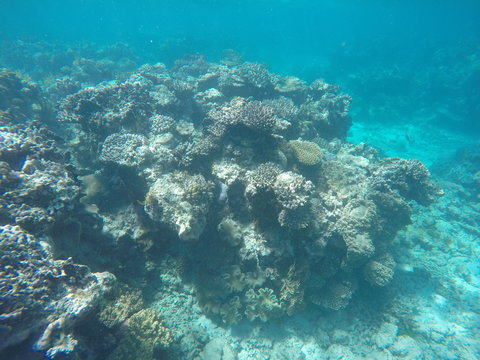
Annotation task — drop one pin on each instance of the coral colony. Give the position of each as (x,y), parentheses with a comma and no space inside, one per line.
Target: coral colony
(241,176)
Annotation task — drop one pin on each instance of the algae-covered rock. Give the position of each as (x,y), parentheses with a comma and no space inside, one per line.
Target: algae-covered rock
(219,349)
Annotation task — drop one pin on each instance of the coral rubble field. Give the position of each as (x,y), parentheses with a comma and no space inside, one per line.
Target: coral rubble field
(216,210)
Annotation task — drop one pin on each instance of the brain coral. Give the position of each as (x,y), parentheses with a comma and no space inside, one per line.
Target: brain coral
(306,152)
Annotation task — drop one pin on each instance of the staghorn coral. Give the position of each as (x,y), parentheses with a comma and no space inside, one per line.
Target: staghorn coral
(257,116)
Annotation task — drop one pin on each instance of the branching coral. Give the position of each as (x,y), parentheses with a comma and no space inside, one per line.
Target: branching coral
(259,117)
(292,190)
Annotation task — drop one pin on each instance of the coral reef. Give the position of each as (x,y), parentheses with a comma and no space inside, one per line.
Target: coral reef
(241,176)
(246,179)
(19,99)
(38,187)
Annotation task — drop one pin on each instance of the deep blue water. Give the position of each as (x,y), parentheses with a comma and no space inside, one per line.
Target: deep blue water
(338,41)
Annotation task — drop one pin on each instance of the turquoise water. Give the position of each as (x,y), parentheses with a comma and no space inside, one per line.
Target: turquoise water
(236,208)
